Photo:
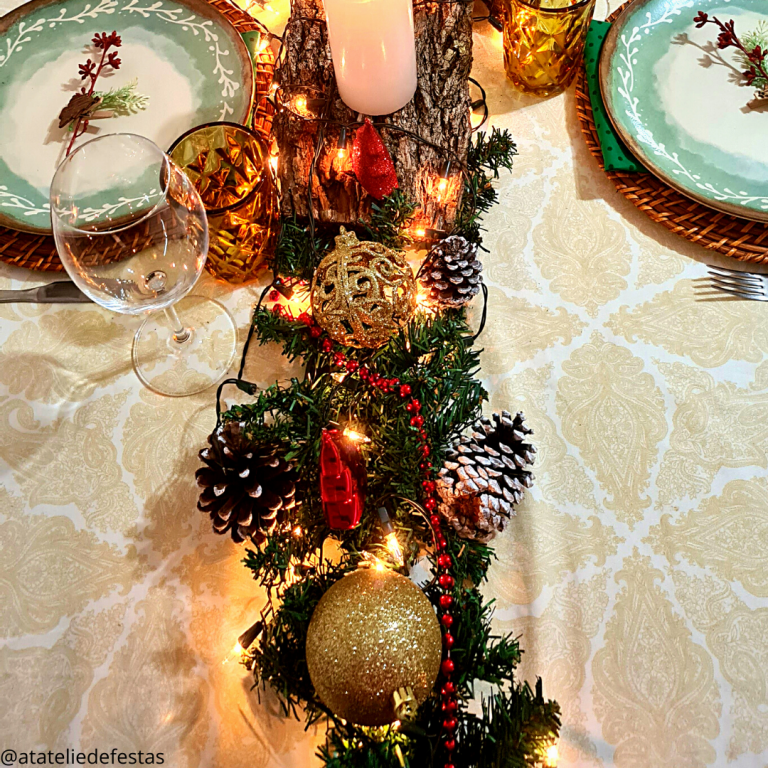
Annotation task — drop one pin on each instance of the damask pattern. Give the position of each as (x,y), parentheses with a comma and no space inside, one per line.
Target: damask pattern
(634,572)
(654,689)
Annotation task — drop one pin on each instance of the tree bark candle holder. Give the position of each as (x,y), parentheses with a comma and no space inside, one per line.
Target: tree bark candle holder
(308,121)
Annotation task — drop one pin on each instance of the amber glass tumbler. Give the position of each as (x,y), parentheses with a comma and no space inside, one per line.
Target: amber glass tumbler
(228,164)
(544,41)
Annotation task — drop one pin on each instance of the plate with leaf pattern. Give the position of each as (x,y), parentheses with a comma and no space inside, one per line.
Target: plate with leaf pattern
(184,60)
(683,106)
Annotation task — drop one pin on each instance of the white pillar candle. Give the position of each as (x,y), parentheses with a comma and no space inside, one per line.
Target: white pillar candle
(374,53)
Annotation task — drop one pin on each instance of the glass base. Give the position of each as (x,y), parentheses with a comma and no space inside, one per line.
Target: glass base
(174,367)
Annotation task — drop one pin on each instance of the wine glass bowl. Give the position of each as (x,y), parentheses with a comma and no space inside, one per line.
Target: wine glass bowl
(132,233)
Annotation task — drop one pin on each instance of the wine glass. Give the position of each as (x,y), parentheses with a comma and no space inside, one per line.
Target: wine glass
(131,231)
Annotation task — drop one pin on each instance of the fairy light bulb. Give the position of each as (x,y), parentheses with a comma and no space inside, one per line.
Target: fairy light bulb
(393,547)
(300,102)
(552,756)
(442,184)
(355,436)
(390,536)
(341,147)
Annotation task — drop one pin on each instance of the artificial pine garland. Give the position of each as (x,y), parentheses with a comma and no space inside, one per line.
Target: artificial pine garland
(432,358)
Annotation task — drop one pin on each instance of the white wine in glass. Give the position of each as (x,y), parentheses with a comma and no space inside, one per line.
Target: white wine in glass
(131,231)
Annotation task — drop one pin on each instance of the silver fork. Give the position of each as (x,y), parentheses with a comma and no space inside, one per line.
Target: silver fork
(746,285)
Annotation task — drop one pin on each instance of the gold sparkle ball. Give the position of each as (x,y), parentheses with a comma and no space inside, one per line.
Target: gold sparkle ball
(362,292)
(372,633)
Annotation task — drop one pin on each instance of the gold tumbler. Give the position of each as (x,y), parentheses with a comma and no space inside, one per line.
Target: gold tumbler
(543,42)
(228,165)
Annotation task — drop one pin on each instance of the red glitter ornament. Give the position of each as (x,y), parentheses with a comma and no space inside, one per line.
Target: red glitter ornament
(372,163)
(342,480)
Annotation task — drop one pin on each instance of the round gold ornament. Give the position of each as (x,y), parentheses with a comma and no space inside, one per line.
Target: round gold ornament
(362,292)
(372,633)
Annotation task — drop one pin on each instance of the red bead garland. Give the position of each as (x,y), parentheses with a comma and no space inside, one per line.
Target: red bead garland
(444,561)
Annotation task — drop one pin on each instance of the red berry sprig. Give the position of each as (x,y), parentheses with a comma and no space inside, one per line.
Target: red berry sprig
(756,57)
(445,580)
(91,71)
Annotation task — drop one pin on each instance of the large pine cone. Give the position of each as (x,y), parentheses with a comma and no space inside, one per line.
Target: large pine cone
(485,476)
(246,489)
(452,273)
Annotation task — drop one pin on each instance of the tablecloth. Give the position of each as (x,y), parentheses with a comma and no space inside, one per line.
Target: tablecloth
(635,572)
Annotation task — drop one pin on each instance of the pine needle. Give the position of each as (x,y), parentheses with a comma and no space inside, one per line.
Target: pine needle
(123,101)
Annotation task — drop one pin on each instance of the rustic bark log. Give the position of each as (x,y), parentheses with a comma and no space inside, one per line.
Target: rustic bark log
(439,113)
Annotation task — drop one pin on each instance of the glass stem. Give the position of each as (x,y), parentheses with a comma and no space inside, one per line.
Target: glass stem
(180,333)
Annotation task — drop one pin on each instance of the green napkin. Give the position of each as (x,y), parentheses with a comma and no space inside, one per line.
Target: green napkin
(616,155)
(252,40)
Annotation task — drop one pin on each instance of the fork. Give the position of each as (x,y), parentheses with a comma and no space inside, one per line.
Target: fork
(746,285)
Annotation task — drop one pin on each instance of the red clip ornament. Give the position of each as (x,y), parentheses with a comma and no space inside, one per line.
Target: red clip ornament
(342,480)
(372,163)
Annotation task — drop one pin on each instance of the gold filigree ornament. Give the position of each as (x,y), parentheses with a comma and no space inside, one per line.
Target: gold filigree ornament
(362,292)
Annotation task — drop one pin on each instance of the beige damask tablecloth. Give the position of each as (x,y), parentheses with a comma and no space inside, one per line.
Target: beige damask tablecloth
(635,573)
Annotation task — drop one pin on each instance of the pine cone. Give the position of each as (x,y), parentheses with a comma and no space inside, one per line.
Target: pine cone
(484,476)
(452,273)
(246,488)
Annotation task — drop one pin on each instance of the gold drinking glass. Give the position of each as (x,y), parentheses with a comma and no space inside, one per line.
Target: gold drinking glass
(543,42)
(227,163)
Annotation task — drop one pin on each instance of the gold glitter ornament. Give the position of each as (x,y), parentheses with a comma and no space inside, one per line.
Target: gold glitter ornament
(372,633)
(362,293)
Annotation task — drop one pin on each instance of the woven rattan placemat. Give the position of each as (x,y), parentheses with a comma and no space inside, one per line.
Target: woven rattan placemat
(38,252)
(739,238)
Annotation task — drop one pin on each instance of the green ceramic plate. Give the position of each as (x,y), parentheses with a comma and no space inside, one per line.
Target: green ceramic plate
(188,59)
(679,104)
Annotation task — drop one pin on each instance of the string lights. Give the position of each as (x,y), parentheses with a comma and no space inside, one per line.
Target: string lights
(313,108)
(390,537)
